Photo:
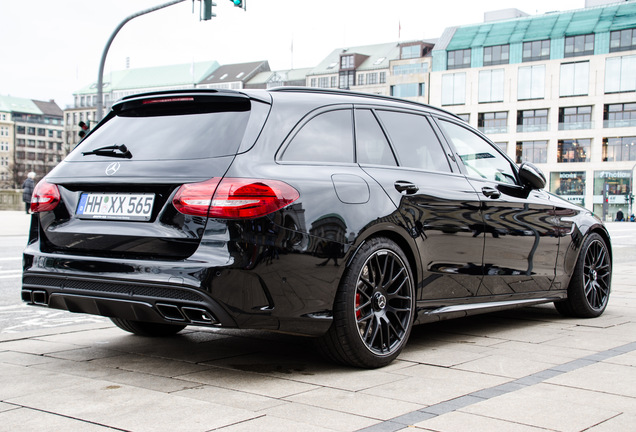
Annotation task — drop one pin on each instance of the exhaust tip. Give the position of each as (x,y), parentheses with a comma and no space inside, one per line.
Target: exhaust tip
(199,316)
(39,298)
(27,296)
(170,312)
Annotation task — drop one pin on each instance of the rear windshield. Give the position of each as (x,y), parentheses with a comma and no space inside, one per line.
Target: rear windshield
(175,131)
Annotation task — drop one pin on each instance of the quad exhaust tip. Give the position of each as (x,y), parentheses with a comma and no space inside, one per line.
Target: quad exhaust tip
(35,297)
(186,314)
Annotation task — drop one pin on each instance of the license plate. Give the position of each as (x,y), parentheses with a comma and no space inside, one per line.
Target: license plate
(134,207)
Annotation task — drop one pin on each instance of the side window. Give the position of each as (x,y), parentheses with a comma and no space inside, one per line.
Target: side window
(371,144)
(328,137)
(478,155)
(414,141)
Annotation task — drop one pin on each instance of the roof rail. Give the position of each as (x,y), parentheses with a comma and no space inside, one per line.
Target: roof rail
(292,89)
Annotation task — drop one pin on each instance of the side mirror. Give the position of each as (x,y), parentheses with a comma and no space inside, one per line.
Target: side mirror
(531,176)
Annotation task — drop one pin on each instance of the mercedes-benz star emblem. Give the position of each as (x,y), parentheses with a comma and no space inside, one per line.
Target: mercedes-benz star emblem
(112,168)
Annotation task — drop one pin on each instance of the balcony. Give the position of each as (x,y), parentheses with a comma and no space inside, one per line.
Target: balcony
(487,130)
(576,125)
(619,123)
(533,127)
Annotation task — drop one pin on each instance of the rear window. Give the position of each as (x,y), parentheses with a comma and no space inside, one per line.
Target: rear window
(172,130)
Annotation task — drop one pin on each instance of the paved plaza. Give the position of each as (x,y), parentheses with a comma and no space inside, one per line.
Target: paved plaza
(524,370)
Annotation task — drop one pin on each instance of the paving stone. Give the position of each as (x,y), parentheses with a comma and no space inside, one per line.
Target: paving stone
(132,408)
(25,419)
(376,407)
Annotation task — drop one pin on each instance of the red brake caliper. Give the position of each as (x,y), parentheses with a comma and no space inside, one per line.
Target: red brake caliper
(358,312)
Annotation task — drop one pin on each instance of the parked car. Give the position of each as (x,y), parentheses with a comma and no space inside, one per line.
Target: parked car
(347,217)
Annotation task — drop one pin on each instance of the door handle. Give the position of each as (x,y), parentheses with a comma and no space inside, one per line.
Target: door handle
(405,186)
(490,192)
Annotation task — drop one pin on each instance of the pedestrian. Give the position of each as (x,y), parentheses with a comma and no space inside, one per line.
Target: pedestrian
(27,191)
(620,217)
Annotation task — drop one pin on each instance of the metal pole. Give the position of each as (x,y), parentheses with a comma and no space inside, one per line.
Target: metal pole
(100,76)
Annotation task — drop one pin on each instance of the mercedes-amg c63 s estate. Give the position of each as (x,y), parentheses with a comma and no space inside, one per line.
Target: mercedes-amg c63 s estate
(347,217)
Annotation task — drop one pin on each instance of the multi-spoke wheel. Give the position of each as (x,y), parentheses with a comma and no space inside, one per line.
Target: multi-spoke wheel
(373,312)
(589,289)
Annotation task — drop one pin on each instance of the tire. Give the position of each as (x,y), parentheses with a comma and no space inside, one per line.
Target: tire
(589,288)
(373,309)
(146,328)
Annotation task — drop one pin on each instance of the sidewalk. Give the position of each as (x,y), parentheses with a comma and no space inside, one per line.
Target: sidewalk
(521,370)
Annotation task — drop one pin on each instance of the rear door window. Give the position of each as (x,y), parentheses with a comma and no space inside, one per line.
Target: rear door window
(372,146)
(328,137)
(414,141)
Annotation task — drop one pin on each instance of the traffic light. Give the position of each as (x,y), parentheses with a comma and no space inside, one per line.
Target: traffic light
(206,13)
(84,128)
(240,3)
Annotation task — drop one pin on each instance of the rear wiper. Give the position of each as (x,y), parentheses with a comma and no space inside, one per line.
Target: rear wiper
(120,151)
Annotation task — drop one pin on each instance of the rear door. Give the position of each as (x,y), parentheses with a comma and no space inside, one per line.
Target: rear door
(117,186)
(401,151)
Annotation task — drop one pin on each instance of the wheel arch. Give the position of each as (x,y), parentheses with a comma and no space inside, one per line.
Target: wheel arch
(399,236)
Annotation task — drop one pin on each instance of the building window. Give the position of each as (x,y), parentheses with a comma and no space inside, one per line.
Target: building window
(531,82)
(347,79)
(569,185)
(579,45)
(619,149)
(382,77)
(623,40)
(408,69)
(334,81)
(575,79)
(30,131)
(372,78)
(503,146)
(572,118)
(491,85)
(465,117)
(574,150)
(496,55)
(312,82)
(411,51)
(454,89)
(346,62)
(458,59)
(20,130)
(323,82)
(532,120)
(408,90)
(493,122)
(619,115)
(532,151)
(360,79)
(620,74)
(536,50)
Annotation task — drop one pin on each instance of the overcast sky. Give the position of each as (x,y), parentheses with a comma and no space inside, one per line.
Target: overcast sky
(51,48)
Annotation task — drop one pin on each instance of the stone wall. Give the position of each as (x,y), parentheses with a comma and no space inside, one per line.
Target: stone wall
(11,199)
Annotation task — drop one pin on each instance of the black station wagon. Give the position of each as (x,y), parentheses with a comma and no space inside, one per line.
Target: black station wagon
(347,217)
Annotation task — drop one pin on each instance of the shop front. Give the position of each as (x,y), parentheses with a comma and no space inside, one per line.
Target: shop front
(611,192)
(569,185)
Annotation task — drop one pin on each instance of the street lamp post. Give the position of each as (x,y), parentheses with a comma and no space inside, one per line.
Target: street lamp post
(100,76)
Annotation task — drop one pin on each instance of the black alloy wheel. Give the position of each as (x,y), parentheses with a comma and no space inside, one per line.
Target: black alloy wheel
(374,308)
(589,289)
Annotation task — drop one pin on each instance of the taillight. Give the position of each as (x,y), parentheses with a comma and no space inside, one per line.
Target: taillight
(46,197)
(234,198)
